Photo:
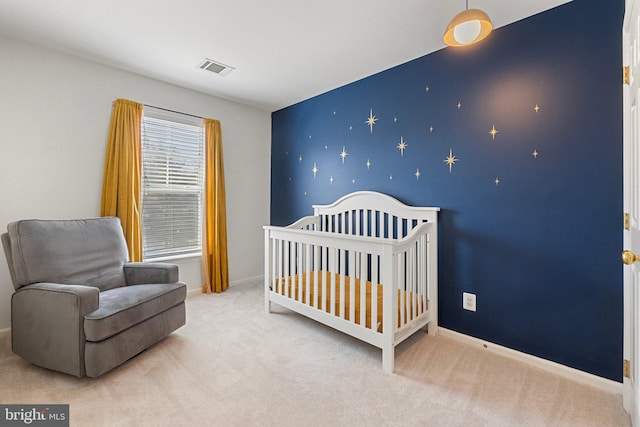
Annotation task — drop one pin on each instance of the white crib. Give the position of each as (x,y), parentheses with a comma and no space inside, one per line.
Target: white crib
(366,265)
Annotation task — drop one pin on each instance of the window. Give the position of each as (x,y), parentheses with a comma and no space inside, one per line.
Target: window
(172,184)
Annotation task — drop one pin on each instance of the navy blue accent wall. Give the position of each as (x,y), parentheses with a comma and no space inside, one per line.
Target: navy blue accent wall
(531,218)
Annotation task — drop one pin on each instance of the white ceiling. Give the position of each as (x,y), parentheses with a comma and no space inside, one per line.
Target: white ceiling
(284,51)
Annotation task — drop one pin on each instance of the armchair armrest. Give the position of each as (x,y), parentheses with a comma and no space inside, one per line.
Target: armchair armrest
(47,324)
(141,273)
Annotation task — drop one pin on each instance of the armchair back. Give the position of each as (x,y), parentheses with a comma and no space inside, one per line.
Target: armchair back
(88,252)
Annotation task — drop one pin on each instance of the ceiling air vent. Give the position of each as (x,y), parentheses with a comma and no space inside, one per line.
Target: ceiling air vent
(216,67)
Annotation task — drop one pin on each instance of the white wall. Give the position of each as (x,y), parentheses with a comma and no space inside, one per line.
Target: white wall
(54,117)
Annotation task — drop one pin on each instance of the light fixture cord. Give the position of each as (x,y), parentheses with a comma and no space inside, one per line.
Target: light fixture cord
(467,4)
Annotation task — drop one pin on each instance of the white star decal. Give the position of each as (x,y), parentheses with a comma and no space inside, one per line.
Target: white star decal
(343,154)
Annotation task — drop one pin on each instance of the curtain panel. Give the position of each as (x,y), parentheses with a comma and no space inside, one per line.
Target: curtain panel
(215,269)
(122,166)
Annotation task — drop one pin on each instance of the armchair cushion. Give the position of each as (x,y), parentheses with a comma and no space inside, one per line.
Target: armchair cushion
(122,308)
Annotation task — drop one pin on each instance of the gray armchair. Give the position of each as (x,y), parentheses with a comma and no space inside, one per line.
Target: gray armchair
(79,306)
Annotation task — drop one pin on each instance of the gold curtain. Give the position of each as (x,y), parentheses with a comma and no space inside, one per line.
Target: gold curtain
(215,270)
(121,179)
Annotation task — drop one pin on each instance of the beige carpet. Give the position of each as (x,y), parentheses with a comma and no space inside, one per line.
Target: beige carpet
(234,365)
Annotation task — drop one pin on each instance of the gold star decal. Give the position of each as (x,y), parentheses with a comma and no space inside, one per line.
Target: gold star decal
(536,108)
(493,132)
(402,146)
(451,160)
(343,154)
(535,153)
(371,120)
(497,181)
(417,174)
(314,170)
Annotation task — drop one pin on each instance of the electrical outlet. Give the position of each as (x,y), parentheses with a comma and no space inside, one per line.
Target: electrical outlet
(469,301)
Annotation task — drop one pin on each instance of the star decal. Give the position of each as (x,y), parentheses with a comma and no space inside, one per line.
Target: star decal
(331,179)
(426,89)
(535,153)
(395,120)
(402,146)
(300,158)
(314,170)
(497,181)
(536,108)
(390,177)
(459,105)
(451,160)
(368,164)
(371,120)
(493,132)
(343,154)
(431,129)
(417,174)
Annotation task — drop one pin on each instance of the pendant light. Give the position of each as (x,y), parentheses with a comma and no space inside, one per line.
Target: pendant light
(468,27)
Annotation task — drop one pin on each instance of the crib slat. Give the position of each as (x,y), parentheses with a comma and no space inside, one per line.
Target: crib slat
(363,289)
(299,256)
(401,285)
(343,273)
(316,267)
(412,288)
(375,280)
(307,272)
(365,225)
(286,268)
(352,286)
(324,279)
(332,269)
(274,259)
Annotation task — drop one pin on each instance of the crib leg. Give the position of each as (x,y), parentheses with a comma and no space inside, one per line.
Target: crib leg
(387,358)
(267,303)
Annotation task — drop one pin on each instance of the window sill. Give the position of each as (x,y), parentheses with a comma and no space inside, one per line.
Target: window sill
(175,257)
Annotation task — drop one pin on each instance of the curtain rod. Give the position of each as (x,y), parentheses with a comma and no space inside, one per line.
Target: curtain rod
(173,111)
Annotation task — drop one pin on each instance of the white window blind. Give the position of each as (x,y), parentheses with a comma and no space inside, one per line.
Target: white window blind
(172,185)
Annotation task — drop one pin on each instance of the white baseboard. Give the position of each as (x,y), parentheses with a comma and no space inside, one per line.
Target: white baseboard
(603,384)
(246,281)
